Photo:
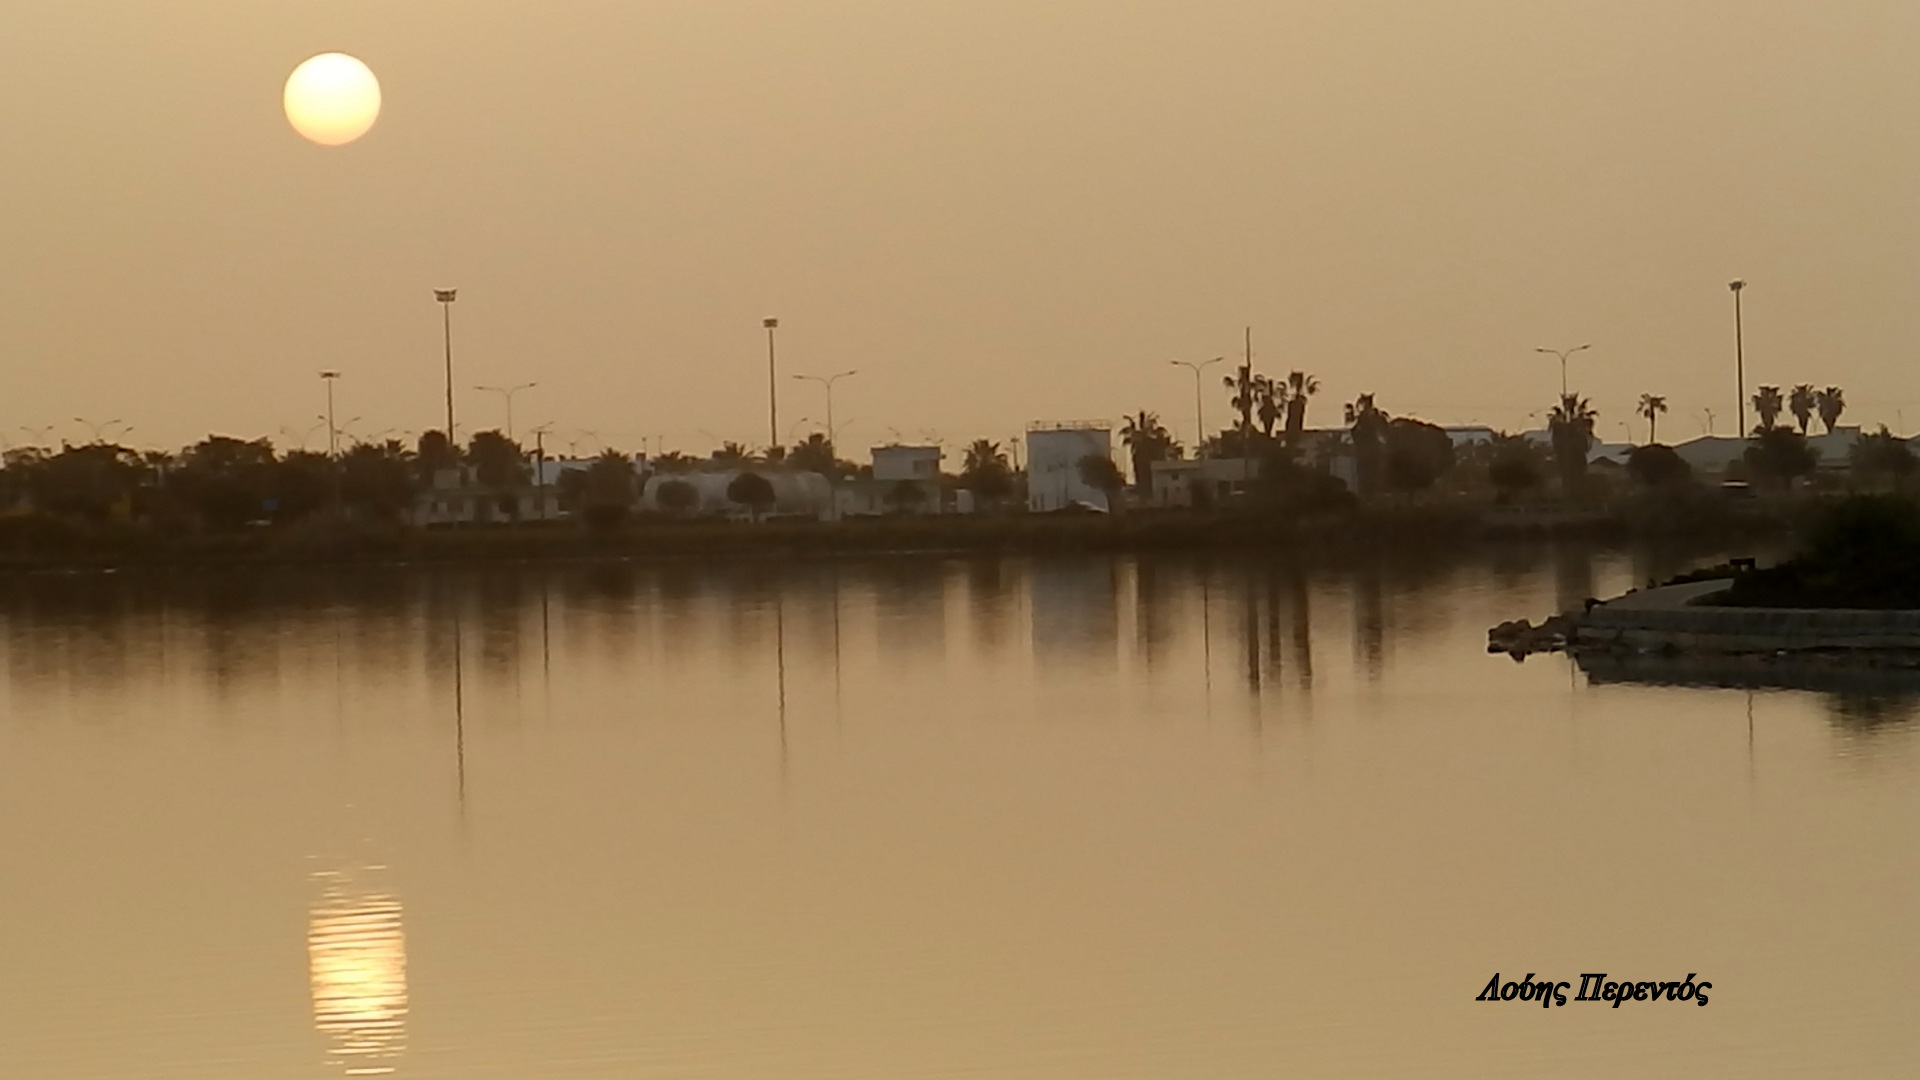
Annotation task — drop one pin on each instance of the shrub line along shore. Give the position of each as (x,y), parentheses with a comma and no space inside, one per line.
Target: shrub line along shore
(49,546)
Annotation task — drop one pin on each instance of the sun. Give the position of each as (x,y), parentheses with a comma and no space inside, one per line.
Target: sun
(332,99)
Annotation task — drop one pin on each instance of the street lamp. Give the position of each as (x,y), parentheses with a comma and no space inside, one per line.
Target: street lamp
(1739,357)
(301,437)
(1563,354)
(773,387)
(828,381)
(1199,412)
(445,298)
(98,429)
(333,433)
(508,392)
(43,435)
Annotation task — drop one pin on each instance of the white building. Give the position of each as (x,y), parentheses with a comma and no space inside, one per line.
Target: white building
(550,470)
(1465,435)
(893,466)
(1054,453)
(456,497)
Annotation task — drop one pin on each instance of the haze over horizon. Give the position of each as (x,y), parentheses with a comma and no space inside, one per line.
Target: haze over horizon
(997,211)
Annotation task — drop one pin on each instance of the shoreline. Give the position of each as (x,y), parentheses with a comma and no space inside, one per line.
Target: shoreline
(33,546)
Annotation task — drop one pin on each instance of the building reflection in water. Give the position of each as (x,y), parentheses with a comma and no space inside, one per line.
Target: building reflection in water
(357,958)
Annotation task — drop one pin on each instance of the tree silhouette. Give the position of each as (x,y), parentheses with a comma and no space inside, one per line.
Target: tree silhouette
(434,453)
(753,491)
(1881,456)
(984,472)
(1270,402)
(1800,402)
(1243,394)
(1830,403)
(676,496)
(229,482)
(1767,403)
(1651,406)
(1367,427)
(1513,466)
(1417,454)
(1570,424)
(498,462)
(815,455)
(608,490)
(1099,471)
(1778,455)
(1657,466)
(1147,441)
(376,479)
(1300,387)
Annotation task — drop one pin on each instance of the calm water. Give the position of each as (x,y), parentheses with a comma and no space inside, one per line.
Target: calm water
(924,819)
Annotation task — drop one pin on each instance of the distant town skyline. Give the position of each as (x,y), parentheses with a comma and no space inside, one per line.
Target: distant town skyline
(996,212)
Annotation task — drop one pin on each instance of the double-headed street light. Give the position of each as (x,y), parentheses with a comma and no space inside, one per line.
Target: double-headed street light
(508,392)
(1563,354)
(99,429)
(828,381)
(1199,411)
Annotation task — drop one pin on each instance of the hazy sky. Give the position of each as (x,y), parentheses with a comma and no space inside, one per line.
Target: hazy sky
(998,211)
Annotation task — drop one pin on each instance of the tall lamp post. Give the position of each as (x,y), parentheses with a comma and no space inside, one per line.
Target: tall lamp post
(445,297)
(773,387)
(508,392)
(1199,411)
(828,381)
(1739,357)
(333,433)
(1563,354)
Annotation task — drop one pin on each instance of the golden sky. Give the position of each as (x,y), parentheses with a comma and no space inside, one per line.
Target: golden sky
(998,211)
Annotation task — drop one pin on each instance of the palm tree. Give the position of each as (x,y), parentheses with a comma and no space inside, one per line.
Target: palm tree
(1830,403)
(1300,387)
(816,455)
(1767,403)
(1147,441)
(1369,426)
(1245,395)
(1270,401)
(498,462)
(1800,403)
(984,471)
(1570,423)
(1651,406)
(731,453)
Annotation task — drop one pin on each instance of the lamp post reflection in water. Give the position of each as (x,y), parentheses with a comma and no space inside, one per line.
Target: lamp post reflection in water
(357,958)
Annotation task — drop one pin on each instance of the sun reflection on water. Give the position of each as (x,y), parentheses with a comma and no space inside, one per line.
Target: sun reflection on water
(357,956)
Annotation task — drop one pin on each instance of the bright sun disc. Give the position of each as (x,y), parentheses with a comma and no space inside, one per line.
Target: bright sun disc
(332,99)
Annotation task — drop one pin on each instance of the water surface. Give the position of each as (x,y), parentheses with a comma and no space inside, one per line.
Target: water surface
(924,818)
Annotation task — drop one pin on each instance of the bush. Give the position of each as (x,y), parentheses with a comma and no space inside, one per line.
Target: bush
(1863,553)
(1658,466)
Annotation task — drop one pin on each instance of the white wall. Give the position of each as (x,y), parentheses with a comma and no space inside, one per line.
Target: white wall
(1053,467)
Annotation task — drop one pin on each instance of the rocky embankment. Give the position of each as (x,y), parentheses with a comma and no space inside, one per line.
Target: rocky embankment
(1520,637)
